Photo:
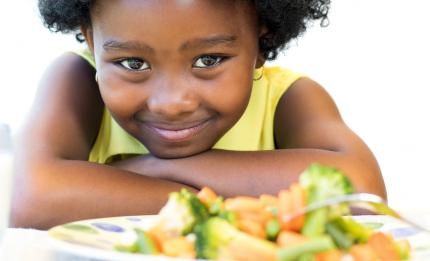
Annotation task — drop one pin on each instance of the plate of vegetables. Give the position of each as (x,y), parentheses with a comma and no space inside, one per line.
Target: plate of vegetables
(207,226)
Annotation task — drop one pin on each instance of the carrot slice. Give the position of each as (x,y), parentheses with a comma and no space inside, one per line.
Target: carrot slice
(179,247)
(285,208)
(331,255)
(251,227)
(298,199)
(246,248)
(206,195)
(384,246)
(269,200)
(363,252)
(290,238)
(158,235)
(261,217)
(242,203)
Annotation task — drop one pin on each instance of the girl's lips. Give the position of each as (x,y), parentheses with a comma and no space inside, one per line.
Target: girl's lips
(172,134)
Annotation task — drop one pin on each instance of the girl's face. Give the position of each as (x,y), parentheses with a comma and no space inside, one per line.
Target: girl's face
(175,74)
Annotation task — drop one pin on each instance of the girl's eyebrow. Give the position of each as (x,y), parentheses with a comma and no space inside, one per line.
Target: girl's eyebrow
(127,45)
(197,43)
(208,42)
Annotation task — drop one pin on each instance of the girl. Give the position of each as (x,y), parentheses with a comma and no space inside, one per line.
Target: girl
(172,94)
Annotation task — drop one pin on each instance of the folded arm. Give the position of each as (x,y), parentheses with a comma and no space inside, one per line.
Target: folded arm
(54,181)
(308,129)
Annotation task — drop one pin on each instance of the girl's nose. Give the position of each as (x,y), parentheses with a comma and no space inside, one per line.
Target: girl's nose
(172,98)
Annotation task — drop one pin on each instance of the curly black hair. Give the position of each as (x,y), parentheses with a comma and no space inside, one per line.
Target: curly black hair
(284,19)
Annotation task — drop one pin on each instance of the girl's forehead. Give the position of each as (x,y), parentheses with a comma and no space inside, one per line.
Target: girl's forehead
(175,21)
(145,13)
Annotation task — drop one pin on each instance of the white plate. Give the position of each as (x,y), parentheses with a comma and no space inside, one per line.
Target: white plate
(95,239)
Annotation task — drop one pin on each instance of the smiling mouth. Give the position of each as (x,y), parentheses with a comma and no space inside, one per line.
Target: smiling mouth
(177,134)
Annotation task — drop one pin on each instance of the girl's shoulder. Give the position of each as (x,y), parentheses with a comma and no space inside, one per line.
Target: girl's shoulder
(86,54)
(275,80)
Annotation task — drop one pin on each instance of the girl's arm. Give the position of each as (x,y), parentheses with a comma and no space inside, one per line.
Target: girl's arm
(54,182)
(308,129)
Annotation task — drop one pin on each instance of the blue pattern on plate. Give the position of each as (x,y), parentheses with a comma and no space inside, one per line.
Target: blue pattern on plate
(134,219)
(108,227)
(403,232)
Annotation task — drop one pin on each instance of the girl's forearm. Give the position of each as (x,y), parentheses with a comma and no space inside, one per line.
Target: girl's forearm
(61,191)
(252,173)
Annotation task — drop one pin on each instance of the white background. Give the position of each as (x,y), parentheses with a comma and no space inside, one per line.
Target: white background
(374,59)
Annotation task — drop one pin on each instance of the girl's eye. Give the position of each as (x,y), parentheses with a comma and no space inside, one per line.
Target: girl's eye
(207,61)
(134,64)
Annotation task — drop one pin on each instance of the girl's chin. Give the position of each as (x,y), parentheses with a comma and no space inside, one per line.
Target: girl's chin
(176,152)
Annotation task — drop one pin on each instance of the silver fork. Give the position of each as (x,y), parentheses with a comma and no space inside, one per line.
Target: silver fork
(366,201)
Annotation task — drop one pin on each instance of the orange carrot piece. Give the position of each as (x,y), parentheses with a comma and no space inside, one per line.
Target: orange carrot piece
(179,247)
(269,200)
(363,252)
(261,217)
(249,249)
(384,246)
(298,199)
(206,195)
(331,255)
(290,238)
(243,203)
(285,208)
(158,235)
(251,227)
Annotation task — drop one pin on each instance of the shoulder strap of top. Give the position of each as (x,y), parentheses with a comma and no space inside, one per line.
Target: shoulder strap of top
(87,55)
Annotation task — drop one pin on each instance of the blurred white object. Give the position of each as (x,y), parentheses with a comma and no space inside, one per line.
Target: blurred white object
(6,158)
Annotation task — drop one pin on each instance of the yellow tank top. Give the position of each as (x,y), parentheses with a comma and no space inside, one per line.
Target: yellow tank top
(253,131)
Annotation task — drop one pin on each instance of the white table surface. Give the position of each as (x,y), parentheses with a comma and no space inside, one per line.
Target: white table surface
(26,244)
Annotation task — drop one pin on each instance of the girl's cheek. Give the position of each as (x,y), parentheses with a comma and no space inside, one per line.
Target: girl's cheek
(120,97)
(232,94)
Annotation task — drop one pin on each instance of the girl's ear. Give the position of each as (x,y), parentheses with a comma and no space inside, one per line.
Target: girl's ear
(87,32)
(260,59)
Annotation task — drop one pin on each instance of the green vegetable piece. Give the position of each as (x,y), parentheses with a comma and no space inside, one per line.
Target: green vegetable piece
(359,232)
(129,249)
(215,207)
(340,237)
(403,249)
(184,209)
(144,243)
(80,228)
(315,223)
(306,257)
(272,229)
(212,235)
(229,216)
(315,245)
(217,233)
(321,183)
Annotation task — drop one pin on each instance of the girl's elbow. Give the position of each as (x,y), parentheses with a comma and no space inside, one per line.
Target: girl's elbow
(27,212)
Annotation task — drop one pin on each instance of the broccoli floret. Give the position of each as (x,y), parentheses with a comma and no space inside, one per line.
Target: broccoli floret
(213,235)
(182,212)
(217,234)
(321,183)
